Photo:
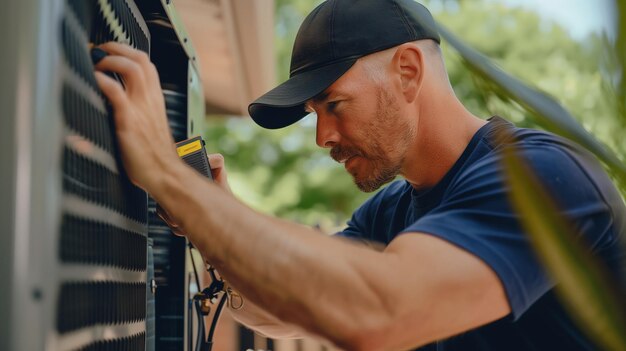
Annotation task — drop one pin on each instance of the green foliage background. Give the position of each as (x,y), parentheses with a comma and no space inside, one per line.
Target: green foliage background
(283,172)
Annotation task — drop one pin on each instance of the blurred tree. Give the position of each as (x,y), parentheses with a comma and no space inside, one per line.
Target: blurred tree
(284,173)
(540,53)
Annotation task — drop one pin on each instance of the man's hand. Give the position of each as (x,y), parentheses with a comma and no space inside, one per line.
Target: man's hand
(145,141)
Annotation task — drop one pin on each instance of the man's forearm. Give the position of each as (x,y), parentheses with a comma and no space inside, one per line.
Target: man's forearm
(300,269)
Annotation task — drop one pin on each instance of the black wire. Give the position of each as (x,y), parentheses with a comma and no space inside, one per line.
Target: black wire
(212,273)
(203,344)
(200,341)
(215,319)
(191,307)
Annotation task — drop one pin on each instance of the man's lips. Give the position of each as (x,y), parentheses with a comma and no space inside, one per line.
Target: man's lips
(345,159)
(343,155)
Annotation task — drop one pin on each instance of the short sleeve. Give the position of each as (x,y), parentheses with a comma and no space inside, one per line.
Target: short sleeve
(374,220)
(354,228)
(476,216)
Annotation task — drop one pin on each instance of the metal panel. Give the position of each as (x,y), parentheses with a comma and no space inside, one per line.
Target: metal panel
(76,242)
(9,19)
(32,64)
(195,102)
(75,250)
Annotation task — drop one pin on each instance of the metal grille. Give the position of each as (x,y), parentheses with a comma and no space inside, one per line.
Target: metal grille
(91,303)
(102,297)
(86,241)
(131,343)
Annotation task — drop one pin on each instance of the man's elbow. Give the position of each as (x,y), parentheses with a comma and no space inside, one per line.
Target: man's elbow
(269,328)
(363,342)
(277,332)
(363,335)
(383,333)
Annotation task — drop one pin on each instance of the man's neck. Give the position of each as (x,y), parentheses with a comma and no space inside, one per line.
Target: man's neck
(443,134)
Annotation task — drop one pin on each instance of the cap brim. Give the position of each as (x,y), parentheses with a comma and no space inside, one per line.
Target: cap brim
(284,105)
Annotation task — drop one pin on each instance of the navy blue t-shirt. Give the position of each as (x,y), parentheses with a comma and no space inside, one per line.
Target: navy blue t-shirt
(470,209)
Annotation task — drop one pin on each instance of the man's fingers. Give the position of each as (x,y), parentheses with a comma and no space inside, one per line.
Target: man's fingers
(138,56)
(216,161)
(113,91)
(128,51)
(218,170)
(131,72)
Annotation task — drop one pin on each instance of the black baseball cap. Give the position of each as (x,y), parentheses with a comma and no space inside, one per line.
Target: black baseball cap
(330,40)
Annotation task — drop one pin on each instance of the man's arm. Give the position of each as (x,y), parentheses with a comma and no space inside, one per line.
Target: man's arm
(419,289)
(264,323)
(356,297)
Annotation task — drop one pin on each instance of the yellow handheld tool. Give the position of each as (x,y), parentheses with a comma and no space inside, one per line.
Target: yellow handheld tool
(193,153)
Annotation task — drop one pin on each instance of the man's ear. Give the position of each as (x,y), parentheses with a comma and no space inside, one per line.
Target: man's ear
(408,62)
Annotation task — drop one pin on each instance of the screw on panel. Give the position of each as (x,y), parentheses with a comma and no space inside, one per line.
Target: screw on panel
(37,294)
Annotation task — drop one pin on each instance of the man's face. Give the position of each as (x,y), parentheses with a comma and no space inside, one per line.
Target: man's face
(363,124)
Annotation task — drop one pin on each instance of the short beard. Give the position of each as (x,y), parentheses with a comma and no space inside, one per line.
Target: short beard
(387,169)
(375,181)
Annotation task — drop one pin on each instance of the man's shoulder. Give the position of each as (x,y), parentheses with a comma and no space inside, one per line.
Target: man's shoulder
(550,154)
(503,133)
(536,147)
(556,161)
(567,170)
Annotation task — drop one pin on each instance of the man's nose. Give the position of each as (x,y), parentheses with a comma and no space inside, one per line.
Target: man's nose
(327,135)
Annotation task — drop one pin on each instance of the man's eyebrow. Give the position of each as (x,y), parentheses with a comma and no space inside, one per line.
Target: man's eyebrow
(319,98)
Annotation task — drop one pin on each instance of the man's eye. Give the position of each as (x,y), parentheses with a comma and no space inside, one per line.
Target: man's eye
(331,105)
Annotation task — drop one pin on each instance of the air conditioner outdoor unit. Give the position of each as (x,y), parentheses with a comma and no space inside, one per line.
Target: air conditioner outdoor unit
(86,263)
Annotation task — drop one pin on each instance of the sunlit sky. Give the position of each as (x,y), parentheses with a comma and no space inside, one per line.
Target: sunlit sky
(579,16)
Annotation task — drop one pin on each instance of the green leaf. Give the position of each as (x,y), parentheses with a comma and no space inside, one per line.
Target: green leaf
(582,280)
(620,51)
(548,112)
(583,283)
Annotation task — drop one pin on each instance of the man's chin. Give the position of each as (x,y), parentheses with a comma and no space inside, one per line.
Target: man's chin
(371,185)
(374,179)
(366,188)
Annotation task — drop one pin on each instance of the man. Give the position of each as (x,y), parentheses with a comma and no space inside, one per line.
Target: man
(456,271)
